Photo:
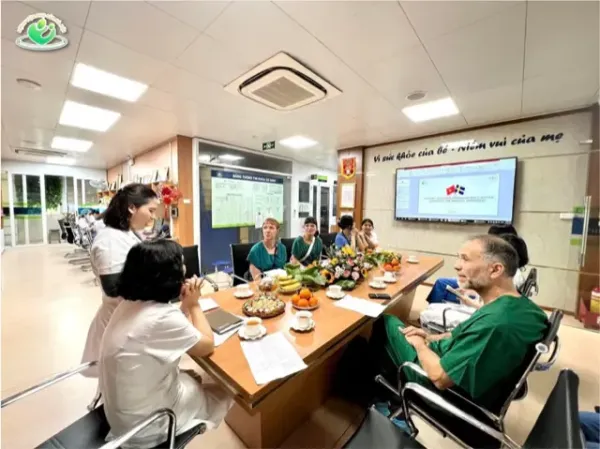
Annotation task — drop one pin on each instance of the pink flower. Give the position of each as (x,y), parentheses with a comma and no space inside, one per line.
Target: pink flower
(350,262)
(355,275)
(346,273)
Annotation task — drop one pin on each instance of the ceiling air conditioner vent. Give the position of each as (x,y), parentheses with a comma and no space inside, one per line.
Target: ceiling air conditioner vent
(282,83)
(34,152)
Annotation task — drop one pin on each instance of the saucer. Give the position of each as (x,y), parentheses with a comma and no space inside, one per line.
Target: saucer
(390,281)
(243,295)
(261,334)
(331,295)
(303,329)
(377,285)
(412,260)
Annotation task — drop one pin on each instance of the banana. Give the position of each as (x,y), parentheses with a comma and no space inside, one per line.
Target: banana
(287,282)
(290,287)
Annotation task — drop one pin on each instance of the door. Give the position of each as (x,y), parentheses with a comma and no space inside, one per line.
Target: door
(27,210)
(324,209)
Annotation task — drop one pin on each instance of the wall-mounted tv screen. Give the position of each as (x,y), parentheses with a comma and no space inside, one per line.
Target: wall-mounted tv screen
(466,192)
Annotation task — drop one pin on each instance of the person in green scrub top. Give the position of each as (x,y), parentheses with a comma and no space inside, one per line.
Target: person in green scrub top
(488,349)
(269,254)
(307,248)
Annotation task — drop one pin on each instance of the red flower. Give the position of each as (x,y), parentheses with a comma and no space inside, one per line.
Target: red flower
(166,191)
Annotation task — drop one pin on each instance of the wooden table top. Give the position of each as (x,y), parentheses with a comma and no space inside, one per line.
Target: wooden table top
(332,323)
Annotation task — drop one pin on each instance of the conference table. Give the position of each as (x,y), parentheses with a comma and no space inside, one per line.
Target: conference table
(263,416)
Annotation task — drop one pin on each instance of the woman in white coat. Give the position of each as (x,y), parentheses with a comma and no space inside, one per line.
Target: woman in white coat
(129,212)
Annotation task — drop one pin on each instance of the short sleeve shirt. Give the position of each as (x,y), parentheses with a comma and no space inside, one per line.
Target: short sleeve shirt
(261,259)
(300,248)
(341,240)
(489,346)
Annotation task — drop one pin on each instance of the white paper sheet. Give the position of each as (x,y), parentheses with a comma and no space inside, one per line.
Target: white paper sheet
(207,304)
(272,357)
(363,306)
(222,338)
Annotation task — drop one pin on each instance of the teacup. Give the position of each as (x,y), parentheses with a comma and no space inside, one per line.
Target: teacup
(389,276)
(304,319)
(243,290)
(252,326)
(413,259)
(335,290)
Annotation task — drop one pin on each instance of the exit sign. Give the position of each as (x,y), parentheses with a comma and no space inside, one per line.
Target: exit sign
(268,145)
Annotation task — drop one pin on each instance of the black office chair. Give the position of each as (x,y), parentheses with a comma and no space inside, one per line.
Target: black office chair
(191,260)
(239,261)
(530,286)
(429,403)
(90,431)
(288,243)
(328,240)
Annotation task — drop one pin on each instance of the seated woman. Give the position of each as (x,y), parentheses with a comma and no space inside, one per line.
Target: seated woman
(307,248)
(143,344)
(347,234)
(439,292)
(469,299)
(269,254)
(366,239)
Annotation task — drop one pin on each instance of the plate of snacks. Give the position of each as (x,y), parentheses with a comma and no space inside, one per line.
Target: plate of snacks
(264,306)
(305,300)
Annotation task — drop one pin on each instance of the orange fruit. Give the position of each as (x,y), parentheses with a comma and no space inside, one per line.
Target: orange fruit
(303,303)
(388,267)
(313,302)
(295,299)
(305,293)
(395,262)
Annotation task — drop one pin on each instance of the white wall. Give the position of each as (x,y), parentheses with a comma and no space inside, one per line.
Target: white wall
(551,179)
(302,172)
(33,168)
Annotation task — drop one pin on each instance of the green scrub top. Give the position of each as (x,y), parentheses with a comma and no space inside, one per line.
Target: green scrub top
(300,248)
(261,259)
(483,350)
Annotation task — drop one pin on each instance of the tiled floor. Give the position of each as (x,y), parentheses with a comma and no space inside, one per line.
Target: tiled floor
(48,304)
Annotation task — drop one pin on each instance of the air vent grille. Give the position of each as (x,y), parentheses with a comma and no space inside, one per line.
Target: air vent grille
(34,152)
(283,93)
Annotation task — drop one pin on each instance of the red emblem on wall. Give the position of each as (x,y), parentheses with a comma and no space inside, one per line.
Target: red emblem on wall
(349,167)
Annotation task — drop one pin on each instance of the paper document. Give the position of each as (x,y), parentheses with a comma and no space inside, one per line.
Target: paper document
(222,338)
(363,306)
(207,304)
(272,357)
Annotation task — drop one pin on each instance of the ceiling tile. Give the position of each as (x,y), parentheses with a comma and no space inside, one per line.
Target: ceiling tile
(349,29)
(491,105)
(69,12)
(562,36)
(197,14)
(141,27)
(484,55)
(107,55)
(433,19)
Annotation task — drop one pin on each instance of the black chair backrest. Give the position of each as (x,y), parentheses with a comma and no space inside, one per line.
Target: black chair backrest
(70,233)
(558,424)
(328,240)
(288,243)
(530,283)
(191,260)
(239,260)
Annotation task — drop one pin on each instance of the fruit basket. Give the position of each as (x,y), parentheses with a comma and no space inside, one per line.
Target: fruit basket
(305,300)
(264,306)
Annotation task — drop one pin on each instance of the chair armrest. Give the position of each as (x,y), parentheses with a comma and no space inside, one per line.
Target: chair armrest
(413,367)
(443,404)
(239,278)
(464,312)
(45,384)
(212,283)
(545,366)
(161,413)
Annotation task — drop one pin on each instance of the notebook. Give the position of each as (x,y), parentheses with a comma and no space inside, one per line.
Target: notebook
(221,321)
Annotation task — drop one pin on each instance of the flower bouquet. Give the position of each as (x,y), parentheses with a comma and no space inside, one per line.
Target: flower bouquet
(345,267)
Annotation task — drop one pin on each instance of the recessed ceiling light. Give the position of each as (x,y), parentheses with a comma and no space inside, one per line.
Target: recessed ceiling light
(68,144)
(29,84)
(106,83)
(230,157)
(416,95)
(431,110)
(298,142)
(87,117)
(60,160)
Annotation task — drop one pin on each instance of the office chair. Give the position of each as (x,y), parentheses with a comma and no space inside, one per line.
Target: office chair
(90,431)
(328,240)
(239,261)
(192,265)
(288,243)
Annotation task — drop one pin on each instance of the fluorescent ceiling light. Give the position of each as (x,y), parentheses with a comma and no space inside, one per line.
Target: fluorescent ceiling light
(458,143)
(60,160)
(431,110)
(106,83)
(87,117)
(68,144)
(298,142)
(230,157)
(204,158)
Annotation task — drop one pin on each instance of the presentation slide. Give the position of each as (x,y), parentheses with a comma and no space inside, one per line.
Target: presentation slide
(481,192)
(245,199)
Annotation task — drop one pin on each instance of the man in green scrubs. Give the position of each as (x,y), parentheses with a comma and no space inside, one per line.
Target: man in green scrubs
(488,348)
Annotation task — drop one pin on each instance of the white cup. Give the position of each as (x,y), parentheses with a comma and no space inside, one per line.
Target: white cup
(389,276)
(252,326)
(303,318)
(413,259)
(335,290)
(379,279)
(243,290)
